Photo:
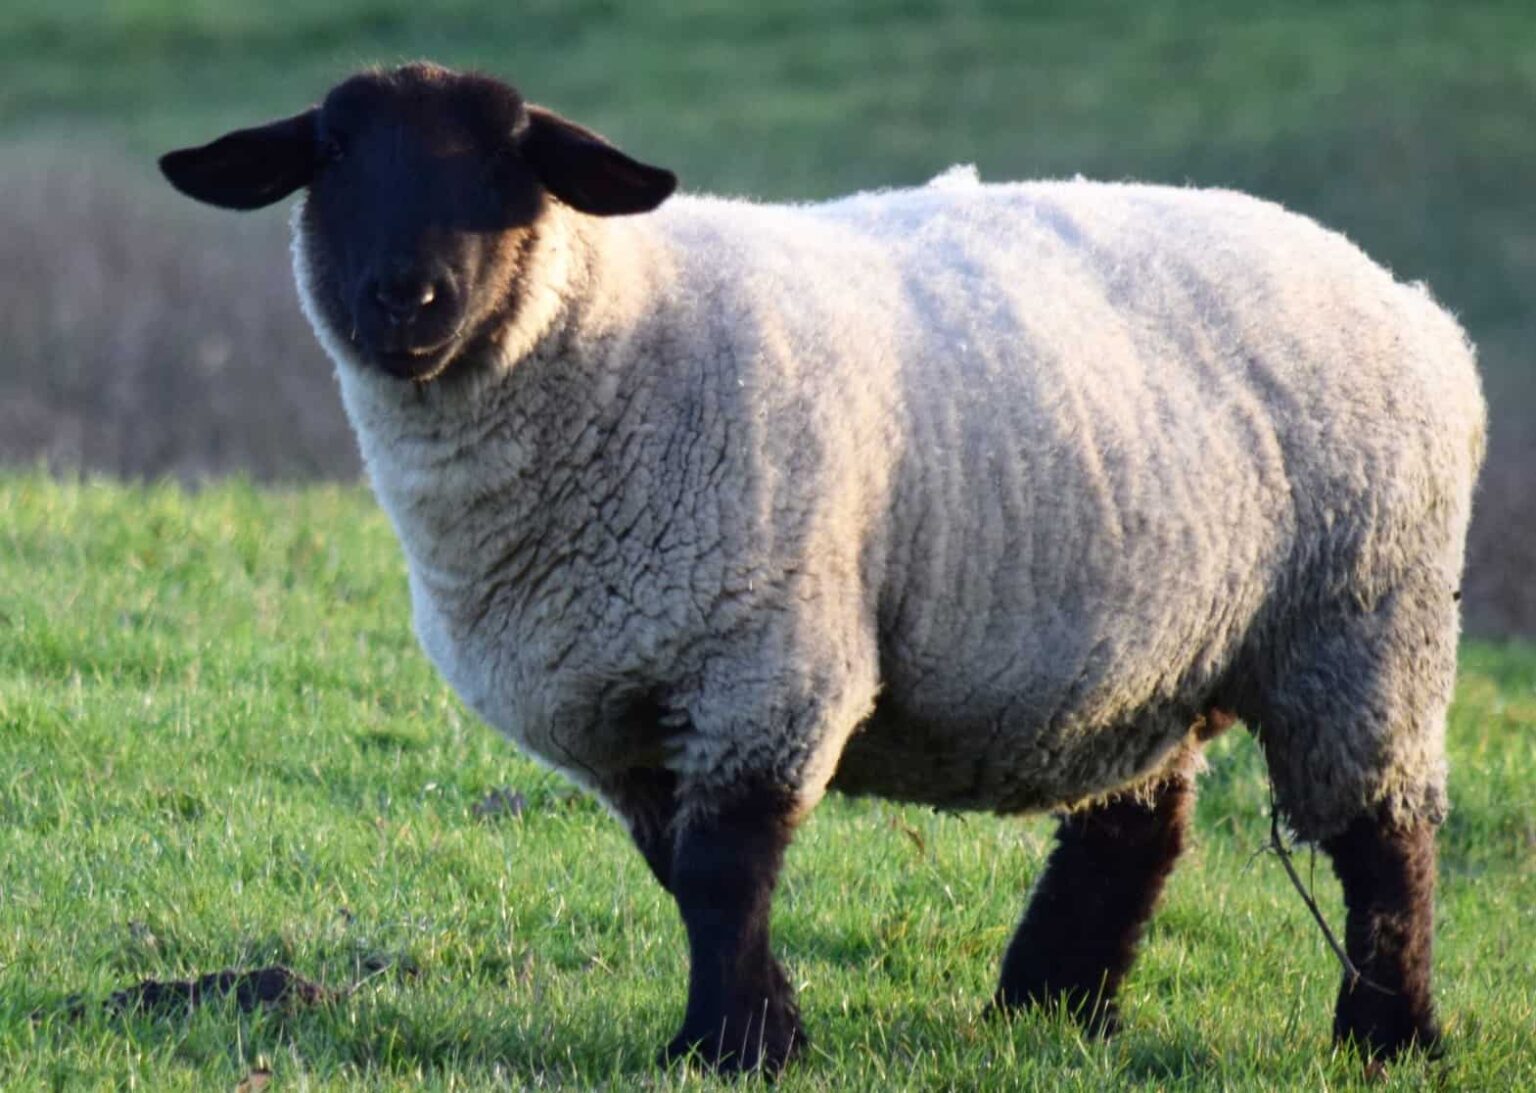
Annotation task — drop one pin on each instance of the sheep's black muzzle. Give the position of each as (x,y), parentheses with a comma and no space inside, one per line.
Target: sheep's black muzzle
(407,319)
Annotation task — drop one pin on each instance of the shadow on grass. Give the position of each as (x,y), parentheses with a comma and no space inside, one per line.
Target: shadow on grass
(339,1037)
(1156,1059)
(533,1047)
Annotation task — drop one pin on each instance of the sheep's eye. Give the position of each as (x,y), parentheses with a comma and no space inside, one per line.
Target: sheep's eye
(331,150)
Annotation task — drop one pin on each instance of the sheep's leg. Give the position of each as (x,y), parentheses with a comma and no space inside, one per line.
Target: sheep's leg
(647,800)
(1080,932)
(1388,874)
(1355,710)
(741,1009)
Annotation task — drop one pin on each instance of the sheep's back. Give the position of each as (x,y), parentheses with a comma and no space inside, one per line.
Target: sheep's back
(1142,427)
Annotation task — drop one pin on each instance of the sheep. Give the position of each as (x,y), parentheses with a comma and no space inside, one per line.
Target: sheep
(994,497)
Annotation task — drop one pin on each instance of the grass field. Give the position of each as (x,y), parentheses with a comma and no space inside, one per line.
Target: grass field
(220,748)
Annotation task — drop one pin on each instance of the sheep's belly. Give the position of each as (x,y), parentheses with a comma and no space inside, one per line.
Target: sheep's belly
(1005,767)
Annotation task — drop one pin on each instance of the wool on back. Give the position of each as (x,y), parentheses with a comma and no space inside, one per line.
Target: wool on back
(1099,438)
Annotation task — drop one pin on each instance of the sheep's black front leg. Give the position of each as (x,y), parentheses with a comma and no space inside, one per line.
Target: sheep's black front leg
(1388,874)
(741,1009)
(1079,935)
(647,799)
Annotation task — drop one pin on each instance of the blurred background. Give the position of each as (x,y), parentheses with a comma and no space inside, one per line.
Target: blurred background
(144,336)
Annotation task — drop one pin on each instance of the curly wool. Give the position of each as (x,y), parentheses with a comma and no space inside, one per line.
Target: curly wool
(970,495)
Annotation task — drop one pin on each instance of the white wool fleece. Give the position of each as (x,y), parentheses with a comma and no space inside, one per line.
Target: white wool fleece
(970,495)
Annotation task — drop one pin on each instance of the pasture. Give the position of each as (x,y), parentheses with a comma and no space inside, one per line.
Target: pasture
(222,750)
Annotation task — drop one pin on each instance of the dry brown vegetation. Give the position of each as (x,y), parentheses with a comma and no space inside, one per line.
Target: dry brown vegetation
(1500,585)
(144,337)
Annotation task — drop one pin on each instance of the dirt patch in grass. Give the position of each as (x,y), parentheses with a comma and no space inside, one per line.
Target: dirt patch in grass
(273,987)
(503,802)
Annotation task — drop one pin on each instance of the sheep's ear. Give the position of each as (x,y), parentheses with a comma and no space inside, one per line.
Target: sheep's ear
(249,168)
(586,172)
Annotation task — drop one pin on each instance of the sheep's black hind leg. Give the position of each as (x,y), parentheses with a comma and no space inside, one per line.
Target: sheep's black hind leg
(1080,932)
(741,1009)
(1388,874)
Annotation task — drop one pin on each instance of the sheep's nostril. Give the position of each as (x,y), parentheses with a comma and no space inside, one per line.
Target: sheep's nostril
(405,298)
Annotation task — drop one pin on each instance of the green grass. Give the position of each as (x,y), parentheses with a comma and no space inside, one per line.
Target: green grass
(219,747)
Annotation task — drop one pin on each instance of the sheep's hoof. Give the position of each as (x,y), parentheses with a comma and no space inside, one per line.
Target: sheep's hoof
(1097,1017)
(1381,1030)
(742,1044)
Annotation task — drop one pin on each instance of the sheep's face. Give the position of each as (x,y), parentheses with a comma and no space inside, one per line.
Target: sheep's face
(426,189)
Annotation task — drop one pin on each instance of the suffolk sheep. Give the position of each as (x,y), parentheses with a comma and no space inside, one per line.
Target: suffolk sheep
(1000,497)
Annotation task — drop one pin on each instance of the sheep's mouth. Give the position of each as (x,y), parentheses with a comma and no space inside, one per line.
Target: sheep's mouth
(417,363)
(411,351)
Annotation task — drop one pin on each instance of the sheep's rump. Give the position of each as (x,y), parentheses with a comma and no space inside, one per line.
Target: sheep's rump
(1149,450)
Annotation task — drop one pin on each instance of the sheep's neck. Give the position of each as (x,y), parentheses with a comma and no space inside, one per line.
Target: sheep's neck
(483,476)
